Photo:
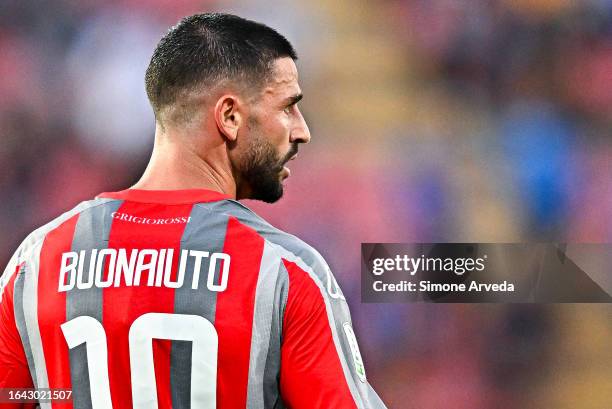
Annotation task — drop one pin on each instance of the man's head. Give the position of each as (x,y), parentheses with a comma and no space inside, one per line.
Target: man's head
(239,77)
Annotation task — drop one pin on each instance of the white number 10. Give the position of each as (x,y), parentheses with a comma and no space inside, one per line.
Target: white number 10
(178,327)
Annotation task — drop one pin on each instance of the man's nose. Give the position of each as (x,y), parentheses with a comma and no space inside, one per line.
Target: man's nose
(300,132)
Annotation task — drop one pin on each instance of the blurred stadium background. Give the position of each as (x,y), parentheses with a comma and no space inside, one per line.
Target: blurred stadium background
(432,120)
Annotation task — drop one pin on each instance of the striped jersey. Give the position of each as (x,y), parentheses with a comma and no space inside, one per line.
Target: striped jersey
(176,299)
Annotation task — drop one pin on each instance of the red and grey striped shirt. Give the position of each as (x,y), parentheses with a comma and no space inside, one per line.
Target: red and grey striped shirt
(176,299)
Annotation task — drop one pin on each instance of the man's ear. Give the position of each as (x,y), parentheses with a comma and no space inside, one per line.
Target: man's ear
(228,116)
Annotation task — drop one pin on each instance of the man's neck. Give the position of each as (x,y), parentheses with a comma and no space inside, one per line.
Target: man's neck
(174,167)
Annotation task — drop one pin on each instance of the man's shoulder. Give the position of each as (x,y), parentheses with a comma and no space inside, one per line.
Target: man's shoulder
(290,246)
(287,246)
(36,236)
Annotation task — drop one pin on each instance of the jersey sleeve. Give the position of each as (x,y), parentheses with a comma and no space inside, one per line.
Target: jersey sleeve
(321,366)
(14,372)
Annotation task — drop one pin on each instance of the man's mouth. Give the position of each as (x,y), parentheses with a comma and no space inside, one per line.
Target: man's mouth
(284,169)
(295,155)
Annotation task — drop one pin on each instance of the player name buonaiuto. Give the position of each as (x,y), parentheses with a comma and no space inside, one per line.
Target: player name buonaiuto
(86,268)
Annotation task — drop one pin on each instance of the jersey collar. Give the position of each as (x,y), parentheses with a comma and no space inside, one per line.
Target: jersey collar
(166,196)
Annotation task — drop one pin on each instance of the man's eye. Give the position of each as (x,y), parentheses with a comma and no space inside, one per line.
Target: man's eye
(288,109)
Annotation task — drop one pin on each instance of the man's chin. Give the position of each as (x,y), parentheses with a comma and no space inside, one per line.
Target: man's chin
(265,185)
(269,194)
(270,199)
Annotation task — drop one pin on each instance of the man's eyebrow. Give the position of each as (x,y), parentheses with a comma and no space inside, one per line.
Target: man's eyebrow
(294,99)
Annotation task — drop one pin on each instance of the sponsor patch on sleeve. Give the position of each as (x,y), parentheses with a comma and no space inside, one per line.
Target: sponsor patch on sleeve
(356,355)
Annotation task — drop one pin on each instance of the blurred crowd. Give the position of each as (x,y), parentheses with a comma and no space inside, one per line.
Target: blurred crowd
(432,120)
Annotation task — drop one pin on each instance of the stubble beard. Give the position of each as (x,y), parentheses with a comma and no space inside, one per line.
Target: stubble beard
(261,166)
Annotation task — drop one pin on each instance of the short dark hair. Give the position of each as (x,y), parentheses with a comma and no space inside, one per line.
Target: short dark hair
(203,50)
